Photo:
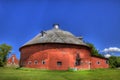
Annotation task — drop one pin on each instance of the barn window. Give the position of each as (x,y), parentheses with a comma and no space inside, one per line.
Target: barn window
(35,62)
(77,62)
(98,62)
(59,63)
(43,61)
(29,62)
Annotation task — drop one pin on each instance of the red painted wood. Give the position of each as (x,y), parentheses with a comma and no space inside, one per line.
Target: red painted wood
(53,53)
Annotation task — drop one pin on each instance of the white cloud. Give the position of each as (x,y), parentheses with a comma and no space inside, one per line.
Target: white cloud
(112,49)
(107,55)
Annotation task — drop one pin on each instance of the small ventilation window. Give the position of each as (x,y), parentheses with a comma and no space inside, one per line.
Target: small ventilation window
(43,62)
(29,62)
(35,62)
(59,63)
(98,62)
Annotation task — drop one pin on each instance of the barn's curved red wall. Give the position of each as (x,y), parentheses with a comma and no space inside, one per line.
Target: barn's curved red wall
(53,53)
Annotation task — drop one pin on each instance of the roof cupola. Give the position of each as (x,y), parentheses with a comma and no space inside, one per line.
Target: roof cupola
(56,26)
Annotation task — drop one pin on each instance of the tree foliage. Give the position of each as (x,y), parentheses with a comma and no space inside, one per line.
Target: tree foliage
(114,61)
(94,51)
(4,51)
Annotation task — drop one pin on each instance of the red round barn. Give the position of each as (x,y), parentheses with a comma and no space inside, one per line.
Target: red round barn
(57,49)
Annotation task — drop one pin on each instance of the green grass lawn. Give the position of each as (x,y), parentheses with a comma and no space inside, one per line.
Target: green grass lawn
(36,74)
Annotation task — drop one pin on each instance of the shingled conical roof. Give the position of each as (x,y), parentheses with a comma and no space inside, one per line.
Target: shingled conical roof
(55,35)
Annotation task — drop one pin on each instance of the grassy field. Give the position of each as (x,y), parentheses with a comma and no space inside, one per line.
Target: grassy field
(36,74)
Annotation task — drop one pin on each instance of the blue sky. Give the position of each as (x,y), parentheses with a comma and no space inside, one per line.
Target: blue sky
(97,21)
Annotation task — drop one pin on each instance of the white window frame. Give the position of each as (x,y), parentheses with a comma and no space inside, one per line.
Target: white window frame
(98,62)
(43,62)
(29,62)
(36,62)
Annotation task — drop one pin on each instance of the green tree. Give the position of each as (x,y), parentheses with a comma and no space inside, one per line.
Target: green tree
(118,62)
(4,51)
(114,61)
(94,51)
